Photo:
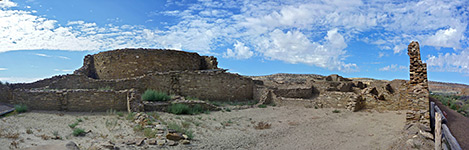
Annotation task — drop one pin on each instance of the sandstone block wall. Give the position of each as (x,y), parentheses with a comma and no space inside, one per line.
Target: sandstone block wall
(418,70)
(125,63)
(71,100)
(204,84)
(417,95)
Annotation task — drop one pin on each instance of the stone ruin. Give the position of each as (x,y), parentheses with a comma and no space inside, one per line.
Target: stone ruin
(418,70)
(417,97)
(116,79)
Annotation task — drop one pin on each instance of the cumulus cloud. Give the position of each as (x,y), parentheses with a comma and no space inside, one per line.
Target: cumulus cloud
(393,67)
(3,69)
(451,62)
(293,31)
(6,4)
(240,51)
(445,38)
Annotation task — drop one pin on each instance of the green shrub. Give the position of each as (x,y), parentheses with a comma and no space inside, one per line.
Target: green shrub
(130,116)
(138,127)
(179,109)
(78,132)
(186,109)
(262,106)
(149,133)
(80,120)
(180,129)
(151,95)
(175,127)
(336,111)
(21,108)
(73,125)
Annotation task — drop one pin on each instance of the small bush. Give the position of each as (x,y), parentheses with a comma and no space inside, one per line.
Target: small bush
(186,109)
(130,116)
(262,106)
(78,132)
(120,114)
(151,95)
(73,125)
(189,133)
(179,109)
(336,111)
(138,128)
(175,127)
(21,108)
(79,120)
(149,133)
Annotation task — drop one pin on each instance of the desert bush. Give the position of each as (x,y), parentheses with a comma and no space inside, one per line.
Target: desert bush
(151,95)
(21,108)
(180,129)
(149,133)
(73,125)
(130,116)
(336,111)
(186,109)
(138,127)
(78,132)
(262,106)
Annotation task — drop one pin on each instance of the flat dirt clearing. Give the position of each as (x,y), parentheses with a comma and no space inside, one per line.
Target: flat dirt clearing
(291,128)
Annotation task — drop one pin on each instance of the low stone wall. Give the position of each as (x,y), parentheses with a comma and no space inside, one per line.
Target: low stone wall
(216,85)
(71,100)
(5,93)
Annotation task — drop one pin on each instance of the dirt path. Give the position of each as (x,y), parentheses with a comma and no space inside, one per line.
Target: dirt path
(298,128)
(291,128)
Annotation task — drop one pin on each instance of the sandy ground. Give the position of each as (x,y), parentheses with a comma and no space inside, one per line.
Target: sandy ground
(291,128)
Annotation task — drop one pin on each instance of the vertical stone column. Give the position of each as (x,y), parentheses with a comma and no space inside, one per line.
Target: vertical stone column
(417,90)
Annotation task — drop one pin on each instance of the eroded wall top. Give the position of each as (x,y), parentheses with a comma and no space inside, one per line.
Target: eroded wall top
(125,63)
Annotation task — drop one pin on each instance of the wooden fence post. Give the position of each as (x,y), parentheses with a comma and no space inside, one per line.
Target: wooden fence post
(437,131)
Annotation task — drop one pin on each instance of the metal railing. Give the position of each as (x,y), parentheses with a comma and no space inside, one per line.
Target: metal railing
(443,137)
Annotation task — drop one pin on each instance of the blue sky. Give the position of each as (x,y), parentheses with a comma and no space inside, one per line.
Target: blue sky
(352,38)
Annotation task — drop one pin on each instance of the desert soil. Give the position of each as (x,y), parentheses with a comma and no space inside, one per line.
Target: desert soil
(291,128)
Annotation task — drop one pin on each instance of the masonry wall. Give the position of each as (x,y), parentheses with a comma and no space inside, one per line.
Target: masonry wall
(126,63)
(71,100)
(210,85)
(417,97)
(218,86)
(5,94)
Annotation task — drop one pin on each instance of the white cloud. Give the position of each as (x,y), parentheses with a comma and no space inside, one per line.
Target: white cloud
(293,31)
(19,79)
(445,38)
(3,69)
(64,70)
(393,67)
(7,3)
(450,62)
(240,51)
(42,55)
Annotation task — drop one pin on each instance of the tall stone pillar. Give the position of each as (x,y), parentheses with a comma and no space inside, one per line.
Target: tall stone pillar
(417,91)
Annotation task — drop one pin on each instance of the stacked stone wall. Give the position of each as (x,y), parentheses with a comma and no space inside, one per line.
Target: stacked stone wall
(5,94)
(418,70)
(215,85)
(71,100)
(126,63)
(417,97)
